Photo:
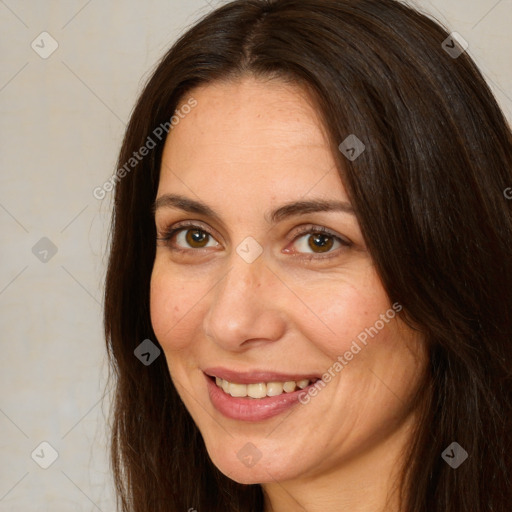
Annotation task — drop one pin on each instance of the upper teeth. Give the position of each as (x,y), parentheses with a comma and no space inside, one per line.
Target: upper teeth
(260,389)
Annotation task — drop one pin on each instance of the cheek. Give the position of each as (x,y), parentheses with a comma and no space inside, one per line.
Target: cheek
(175,308)
(345,311)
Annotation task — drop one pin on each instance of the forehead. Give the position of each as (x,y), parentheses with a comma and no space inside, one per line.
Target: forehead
(260,133)
(270,103)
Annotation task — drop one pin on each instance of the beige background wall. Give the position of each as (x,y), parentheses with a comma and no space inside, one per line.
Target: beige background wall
(61,123)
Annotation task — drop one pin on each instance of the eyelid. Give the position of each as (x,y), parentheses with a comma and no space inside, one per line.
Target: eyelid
(310,229)
(169,231)
(314,228)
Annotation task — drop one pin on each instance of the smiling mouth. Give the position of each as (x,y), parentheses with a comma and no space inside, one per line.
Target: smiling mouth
(261,389)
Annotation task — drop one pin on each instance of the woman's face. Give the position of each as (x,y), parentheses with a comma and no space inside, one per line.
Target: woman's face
(250,291)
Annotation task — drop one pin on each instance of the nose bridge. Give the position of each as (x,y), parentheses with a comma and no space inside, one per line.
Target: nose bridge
(244,306)
(242,278)
(241,288)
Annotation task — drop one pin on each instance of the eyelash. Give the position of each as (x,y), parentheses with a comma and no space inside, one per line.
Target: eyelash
(168,234)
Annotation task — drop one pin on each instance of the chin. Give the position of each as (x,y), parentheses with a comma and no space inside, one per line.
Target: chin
(238,466)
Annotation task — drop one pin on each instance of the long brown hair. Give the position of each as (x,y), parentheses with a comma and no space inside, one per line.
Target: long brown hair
(429,196)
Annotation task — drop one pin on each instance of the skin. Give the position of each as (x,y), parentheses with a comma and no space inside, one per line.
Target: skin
(248,147)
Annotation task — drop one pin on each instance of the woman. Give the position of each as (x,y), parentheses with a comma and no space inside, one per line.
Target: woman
(308,300)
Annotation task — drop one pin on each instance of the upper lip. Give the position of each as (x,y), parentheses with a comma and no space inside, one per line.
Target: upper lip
(256,376)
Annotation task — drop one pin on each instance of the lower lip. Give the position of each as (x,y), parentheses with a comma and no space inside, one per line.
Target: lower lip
(251,409)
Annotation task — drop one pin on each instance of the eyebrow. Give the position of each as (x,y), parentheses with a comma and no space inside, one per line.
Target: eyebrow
(287,210)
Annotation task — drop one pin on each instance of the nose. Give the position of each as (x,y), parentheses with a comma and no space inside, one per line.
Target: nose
(245,309)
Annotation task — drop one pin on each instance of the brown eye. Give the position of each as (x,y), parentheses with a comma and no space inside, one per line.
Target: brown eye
(317,241)
(196,238)
(320,242)
(192,237)
(187,237)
